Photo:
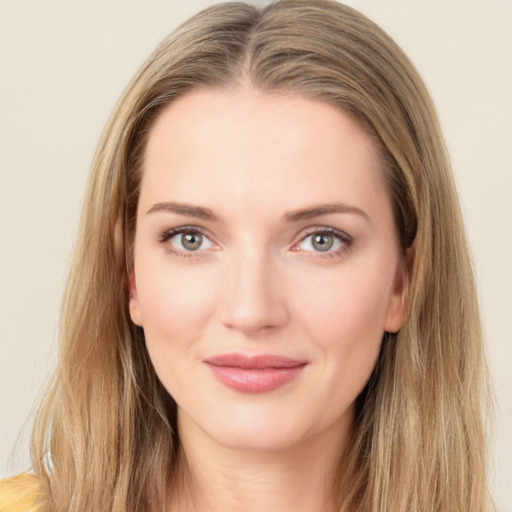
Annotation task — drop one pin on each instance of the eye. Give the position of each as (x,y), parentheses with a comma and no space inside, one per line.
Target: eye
(186,240)
(324,241)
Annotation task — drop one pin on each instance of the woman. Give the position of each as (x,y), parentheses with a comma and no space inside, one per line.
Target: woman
(271,302)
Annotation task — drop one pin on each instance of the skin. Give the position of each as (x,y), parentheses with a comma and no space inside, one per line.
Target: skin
(258,285)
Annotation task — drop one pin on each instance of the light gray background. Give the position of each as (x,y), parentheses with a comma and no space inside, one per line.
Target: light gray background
(64,63)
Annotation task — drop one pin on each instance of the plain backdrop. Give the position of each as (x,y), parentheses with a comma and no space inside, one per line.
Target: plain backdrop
(63,64)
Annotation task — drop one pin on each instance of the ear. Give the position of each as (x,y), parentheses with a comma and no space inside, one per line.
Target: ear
(133,300)
(397,305)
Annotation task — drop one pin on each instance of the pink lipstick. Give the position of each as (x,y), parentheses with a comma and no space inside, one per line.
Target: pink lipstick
(255,374)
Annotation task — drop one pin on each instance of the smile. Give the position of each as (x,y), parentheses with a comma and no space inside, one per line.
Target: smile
(257,374)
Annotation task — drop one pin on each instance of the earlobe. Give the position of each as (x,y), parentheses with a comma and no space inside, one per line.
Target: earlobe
(133,300)
(397,306)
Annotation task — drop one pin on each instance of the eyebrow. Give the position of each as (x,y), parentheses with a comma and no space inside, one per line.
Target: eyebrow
(324,209)
(185,209)
(199,212)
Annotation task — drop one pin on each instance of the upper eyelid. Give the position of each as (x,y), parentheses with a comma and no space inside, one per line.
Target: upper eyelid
(186,229)
(167,234)
(324,229)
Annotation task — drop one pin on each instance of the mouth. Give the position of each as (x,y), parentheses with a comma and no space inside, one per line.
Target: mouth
(254,374)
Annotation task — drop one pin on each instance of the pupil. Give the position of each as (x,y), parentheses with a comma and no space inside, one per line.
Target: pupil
(192,241)
(322,242)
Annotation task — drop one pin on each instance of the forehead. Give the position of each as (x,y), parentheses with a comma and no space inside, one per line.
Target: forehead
(253,147)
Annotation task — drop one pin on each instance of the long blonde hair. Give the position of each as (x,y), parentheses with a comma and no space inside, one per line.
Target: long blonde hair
(418,443)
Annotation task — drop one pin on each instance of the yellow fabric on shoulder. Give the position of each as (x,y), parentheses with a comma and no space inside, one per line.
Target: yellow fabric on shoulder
(18,493)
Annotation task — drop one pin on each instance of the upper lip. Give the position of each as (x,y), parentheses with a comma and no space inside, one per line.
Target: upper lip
(254,362)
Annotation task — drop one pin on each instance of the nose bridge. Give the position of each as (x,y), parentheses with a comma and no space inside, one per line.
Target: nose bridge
(253,300)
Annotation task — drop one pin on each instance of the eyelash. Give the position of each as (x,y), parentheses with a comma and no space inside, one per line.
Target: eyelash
(346,242)
(166,236)
(340,236)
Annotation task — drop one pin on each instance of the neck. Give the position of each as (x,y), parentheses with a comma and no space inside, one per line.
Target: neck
(217,478)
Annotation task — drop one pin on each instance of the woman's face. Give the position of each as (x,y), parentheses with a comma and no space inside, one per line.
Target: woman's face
(267,265)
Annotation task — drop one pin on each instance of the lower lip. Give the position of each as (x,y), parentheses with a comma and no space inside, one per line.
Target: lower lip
(257,380)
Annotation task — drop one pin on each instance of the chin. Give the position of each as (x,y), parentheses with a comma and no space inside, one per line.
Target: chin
(257,429)
(270,439)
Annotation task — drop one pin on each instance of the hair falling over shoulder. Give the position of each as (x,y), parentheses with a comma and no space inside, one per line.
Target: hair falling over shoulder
(418,444)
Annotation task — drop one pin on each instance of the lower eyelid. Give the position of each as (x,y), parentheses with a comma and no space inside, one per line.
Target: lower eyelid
(344,239)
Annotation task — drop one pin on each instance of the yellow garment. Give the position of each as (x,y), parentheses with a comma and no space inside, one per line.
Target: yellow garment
(19,493)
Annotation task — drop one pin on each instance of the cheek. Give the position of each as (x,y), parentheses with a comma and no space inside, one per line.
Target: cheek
(345,316)
(350,305)
(175,306)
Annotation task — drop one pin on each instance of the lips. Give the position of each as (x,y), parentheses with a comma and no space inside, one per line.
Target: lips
(256,374)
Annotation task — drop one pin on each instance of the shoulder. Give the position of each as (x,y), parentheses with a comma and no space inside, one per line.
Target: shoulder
(19,493)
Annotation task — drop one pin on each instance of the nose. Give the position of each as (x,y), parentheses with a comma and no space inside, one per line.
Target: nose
(254,300)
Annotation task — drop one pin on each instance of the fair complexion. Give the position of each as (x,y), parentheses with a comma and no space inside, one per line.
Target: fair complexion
(264,231)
